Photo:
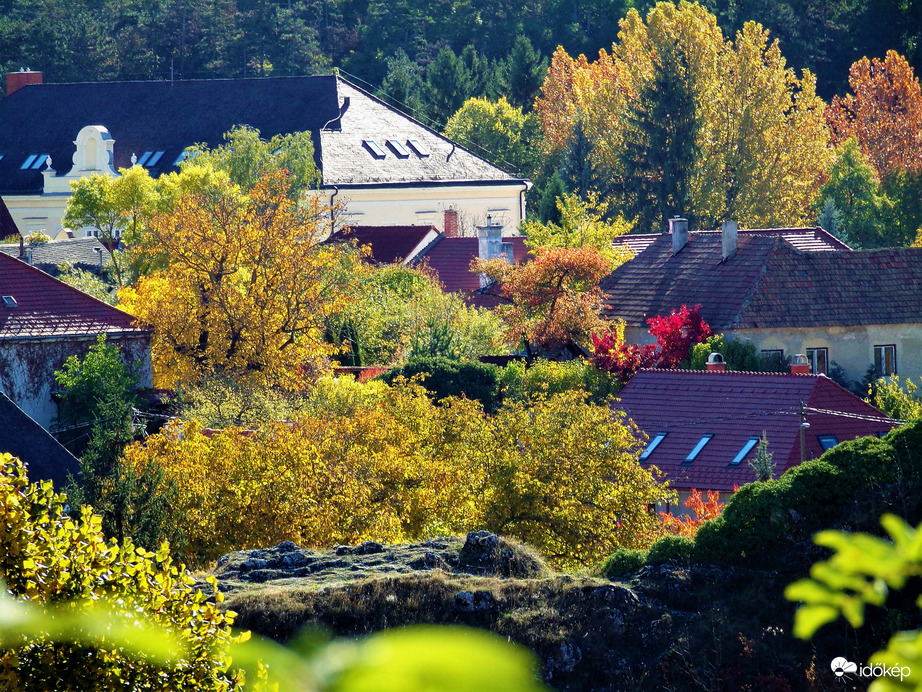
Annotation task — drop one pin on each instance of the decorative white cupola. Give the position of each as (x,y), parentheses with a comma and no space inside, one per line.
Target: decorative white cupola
(94,152)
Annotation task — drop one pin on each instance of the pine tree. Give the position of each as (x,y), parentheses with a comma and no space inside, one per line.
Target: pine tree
(524,72)
(763,464)
(449,85)
(402,85)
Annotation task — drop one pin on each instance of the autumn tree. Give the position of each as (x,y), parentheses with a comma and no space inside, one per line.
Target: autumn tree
(551,300)
(246,283)
(884,112)
(855,191)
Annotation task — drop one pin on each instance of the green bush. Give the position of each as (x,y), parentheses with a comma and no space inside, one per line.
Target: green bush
(906,442)
(622,562)
(671,548)
(444,378)
(547,377)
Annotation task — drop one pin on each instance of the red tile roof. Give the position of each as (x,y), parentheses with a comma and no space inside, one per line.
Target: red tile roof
(767,283)
(450,259)
(809,239)
(390,244)
(733,407)
(48,307)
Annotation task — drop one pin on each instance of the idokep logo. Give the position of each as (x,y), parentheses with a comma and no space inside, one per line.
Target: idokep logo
(843,667)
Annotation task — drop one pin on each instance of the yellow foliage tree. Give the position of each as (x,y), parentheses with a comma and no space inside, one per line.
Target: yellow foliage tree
(559,473)
(245,284)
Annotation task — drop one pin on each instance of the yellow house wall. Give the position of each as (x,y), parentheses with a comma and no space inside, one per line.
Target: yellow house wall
(38,213)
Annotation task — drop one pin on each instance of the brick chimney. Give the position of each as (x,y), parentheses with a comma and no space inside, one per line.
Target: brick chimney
(800,365)
(678,229)
(451,223)
(716,363)
(17,80)
(729,232)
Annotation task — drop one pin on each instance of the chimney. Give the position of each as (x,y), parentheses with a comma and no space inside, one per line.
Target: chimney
(800,365)
(22,247)
(451,223)
(17,80)
(678,229)
(489,240)
(716,363)
(729,231)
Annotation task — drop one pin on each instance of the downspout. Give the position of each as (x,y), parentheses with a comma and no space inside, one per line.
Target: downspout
(332,197)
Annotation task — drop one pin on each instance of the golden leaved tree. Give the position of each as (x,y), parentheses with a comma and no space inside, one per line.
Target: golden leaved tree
(245,283)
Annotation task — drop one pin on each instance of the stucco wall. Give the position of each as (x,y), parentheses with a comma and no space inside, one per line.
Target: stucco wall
(422,206)
(27,369)
(851,347)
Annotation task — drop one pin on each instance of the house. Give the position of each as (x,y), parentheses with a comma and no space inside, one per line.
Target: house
(449,257)
(44,457)
(703,427)
(388,168)
(856,309)
(42,322)
(88,254)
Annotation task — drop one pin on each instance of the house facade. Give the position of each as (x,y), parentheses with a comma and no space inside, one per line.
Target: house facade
(855,309)
(44,321)
(387,168)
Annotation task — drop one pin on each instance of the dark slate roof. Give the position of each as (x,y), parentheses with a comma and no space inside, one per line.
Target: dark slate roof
(44,457)
(7,225)
(390,244)
(767,283)
(48,307)
(80,252)
(450,259)
(810,239)
(733,407)
(170,116)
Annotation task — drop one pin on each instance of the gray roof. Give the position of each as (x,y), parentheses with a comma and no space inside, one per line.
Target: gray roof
(80,252)
(44,457)
(170,116)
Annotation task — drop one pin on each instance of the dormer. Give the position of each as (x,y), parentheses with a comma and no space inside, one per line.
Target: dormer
(94,152)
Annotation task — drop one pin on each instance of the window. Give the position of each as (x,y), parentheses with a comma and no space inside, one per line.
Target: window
(1,157)
(418,147)
(9,302)
(154,159)
(398,148)
(885,359)
(144,157)
(34,162)
(827,442)
(653,444)
(373,147)
(183,155)
(697,450)
(819,358)
(750,443)
(28,162)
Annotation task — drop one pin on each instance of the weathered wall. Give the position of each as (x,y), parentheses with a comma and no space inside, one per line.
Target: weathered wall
(27,368)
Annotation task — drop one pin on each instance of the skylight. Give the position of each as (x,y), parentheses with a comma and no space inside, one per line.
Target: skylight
(376,150)
(28,162)
(154,159)
(418,147)
(183,155)
(1,157)
(653,444)
(827,442)
(39,162)
(750,443)
(10,302)
(144,157)
(398,148)
(697,450)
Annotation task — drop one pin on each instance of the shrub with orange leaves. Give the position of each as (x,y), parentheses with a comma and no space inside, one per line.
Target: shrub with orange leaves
(688,525)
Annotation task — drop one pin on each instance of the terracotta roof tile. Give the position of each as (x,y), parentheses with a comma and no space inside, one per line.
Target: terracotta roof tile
(48,307)
(733,407)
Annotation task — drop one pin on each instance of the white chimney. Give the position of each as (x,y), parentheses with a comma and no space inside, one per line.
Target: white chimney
(678,229)
(489,240)
(729,232)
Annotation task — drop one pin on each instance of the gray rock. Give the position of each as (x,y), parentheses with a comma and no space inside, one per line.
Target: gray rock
(616,596)
(472,602)
(480,548)
(562,659)
(286,547)
(368,548)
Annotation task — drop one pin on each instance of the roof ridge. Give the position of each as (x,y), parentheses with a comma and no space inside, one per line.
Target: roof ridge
(736,372)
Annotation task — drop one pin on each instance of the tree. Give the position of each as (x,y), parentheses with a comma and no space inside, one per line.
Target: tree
(448,85)
(246,284)
(551,300)
(763,465)
(118,208)
(884,113)
(853,189)
(499,132)
(522,73)
(582,224)
(402,85)
(688,525)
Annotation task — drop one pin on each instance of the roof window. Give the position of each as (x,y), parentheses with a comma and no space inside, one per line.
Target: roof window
(375,149)
(653,444)
(10,302)
(398,148)
(750,443)
(183,155)
(1,157)
(144,157)
(697,449)
(155,158)
(34,162)
(418,147)
(827,442)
